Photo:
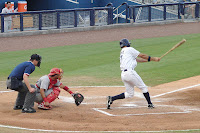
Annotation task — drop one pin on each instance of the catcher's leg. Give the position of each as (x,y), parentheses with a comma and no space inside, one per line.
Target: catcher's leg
(50,98)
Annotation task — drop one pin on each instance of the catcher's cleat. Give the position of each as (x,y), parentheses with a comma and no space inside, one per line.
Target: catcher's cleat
(18,107)
(42,106)
(109,102)
(28,110)
(150,106)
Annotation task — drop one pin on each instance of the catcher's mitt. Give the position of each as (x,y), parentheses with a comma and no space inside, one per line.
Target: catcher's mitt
(78,98)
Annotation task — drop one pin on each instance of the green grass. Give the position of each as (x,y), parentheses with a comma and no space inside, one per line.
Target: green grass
(98,64)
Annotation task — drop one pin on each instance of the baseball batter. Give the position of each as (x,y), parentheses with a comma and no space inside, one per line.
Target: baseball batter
(47,89)
(130,78)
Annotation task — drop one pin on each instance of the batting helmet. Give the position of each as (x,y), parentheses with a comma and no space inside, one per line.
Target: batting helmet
(124,42)
(36,57)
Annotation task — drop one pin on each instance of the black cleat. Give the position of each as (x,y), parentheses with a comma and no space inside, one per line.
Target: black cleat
(150,106)
(18,107)
(28,110)
(109,102)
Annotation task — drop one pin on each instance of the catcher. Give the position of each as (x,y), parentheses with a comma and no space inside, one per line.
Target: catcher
(47,89)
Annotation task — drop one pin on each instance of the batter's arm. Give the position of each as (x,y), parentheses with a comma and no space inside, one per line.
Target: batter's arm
(141,60)
(146,57)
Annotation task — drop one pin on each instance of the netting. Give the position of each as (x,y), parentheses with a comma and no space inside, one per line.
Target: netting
(66,19)
(49,20)
(83,18)
(101,17)
(172,12)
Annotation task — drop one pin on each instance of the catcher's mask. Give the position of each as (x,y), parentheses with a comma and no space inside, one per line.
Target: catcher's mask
(124,42)
(56,71)
(36,57)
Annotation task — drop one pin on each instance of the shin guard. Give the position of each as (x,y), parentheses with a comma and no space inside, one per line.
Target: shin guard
(53,95)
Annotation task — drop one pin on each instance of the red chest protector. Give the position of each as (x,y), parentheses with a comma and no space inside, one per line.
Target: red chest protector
(52,82)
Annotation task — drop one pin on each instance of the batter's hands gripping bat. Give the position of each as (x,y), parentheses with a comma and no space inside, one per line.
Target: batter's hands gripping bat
(175,46)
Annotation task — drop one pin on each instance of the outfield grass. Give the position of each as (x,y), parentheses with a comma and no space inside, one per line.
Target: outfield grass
(98,64)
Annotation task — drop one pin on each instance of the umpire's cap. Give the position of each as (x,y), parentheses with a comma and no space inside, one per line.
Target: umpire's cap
(36,57)
(124,42)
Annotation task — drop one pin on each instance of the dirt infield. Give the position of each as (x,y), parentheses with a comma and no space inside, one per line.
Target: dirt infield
(177,103)
(177,108)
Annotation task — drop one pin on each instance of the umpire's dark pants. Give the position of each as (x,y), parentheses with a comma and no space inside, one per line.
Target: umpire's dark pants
(24,98)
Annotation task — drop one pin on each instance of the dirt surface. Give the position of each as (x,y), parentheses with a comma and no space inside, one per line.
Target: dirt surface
(177,110)
(177,107)
(52,40)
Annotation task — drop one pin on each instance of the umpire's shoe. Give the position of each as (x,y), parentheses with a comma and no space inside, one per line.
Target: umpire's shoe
(150,106)
(109,102)
(17,107)
(28,110)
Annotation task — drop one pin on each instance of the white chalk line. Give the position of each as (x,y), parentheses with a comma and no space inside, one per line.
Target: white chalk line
(162,113)
(175,91)
(62,131)
(6,91)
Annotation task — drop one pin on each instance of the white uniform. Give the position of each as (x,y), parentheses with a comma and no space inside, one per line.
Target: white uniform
(47,84)
(129,76)
(7,19)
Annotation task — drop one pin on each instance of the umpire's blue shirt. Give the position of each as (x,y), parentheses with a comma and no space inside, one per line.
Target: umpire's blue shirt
(21,69)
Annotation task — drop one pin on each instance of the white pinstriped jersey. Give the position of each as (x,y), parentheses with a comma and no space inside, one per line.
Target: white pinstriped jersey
(128,57)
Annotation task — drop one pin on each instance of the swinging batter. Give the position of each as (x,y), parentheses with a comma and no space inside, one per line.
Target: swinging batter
(130,78)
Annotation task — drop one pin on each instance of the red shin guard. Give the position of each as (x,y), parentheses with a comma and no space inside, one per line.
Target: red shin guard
(53,95)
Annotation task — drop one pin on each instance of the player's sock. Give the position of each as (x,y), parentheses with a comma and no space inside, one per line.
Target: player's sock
(146,95)
(120,96)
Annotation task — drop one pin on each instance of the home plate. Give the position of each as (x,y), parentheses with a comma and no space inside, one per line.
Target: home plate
(129,105)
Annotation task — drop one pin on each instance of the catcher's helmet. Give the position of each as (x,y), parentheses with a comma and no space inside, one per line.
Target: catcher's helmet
(124,42)
(56,71)
(36,57)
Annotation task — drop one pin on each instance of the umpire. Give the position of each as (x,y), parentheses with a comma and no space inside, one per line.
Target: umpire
(26,92)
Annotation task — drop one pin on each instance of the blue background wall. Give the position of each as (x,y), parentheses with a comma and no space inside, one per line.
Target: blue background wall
(63,4)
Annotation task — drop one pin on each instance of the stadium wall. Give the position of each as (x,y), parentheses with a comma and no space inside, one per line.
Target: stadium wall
(34,5)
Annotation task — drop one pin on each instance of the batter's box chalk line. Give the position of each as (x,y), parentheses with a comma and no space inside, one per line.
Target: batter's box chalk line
(105,111)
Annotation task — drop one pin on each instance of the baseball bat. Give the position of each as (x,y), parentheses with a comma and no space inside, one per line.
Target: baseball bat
(174,47)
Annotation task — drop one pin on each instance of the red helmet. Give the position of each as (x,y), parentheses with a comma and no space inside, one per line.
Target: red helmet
(55,71)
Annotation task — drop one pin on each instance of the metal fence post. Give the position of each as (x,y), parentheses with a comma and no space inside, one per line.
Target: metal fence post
(133,14)
(21,22)
(179,11)
(58,20)
(92,17)
(149,17)
(110,15)
(130,13)
(2,23)
(126,13)
(164,12)
(197,10)
(182,8)
(75,19)
(40,21)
